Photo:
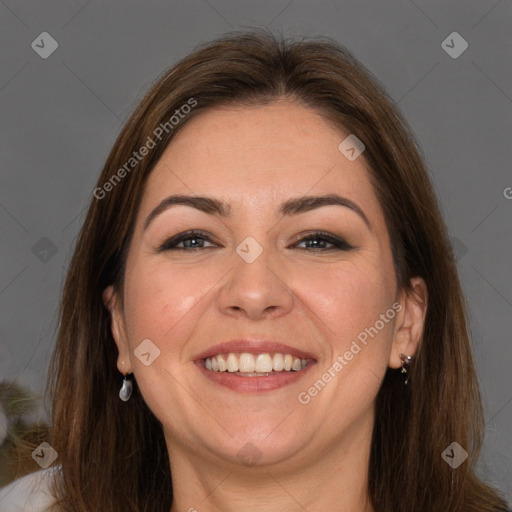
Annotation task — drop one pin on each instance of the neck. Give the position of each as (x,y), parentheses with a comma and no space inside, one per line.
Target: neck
(334,479)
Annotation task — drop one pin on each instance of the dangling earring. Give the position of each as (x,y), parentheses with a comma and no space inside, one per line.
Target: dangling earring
(126,389)
(406,364)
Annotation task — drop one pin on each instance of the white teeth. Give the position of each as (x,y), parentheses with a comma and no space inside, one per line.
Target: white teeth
(246,363)
(263,363)
(250,365)
(252,374)
(223,365)
(232,363)
(278,362)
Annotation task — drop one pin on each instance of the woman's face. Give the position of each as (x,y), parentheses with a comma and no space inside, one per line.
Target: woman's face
(261,275)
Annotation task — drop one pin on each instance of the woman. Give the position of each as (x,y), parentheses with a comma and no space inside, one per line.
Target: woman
(263,310)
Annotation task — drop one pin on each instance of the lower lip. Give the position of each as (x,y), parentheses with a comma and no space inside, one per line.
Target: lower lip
(253,384)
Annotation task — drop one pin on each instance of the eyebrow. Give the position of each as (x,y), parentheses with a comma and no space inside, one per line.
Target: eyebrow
(294,206)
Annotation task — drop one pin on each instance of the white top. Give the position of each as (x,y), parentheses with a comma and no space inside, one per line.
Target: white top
(29,493)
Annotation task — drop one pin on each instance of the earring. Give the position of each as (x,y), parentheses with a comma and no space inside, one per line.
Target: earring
(126,389)
(406,365)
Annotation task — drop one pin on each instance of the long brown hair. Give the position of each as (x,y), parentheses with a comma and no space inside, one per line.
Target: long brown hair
(113,454)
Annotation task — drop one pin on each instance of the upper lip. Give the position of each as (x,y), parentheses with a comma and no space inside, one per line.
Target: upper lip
(252,346)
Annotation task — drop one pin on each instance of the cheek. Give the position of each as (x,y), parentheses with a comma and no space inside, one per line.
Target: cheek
(347,299)
(158,298)
(165,305)
(350,301)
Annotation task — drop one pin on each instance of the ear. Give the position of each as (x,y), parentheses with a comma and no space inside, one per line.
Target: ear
(117,327)
(410,321)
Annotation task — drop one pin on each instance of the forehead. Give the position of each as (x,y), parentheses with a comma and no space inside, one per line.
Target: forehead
(255,155)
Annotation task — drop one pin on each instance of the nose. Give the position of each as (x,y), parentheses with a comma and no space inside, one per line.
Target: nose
(256,290)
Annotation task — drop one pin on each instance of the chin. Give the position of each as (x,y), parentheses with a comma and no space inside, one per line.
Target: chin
(258,445)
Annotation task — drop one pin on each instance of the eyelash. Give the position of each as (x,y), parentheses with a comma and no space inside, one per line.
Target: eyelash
(171,243)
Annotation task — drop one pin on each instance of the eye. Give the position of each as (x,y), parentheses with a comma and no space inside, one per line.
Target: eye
(192,240)
(319,239)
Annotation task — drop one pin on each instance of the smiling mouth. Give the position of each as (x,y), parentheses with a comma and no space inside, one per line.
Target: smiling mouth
(245,364)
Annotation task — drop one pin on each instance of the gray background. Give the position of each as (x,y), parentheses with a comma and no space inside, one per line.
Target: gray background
(61,115)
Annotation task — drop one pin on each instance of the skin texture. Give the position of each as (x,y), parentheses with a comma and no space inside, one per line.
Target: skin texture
(314,455)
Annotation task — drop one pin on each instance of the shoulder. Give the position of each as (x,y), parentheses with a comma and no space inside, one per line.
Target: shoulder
(29,493)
